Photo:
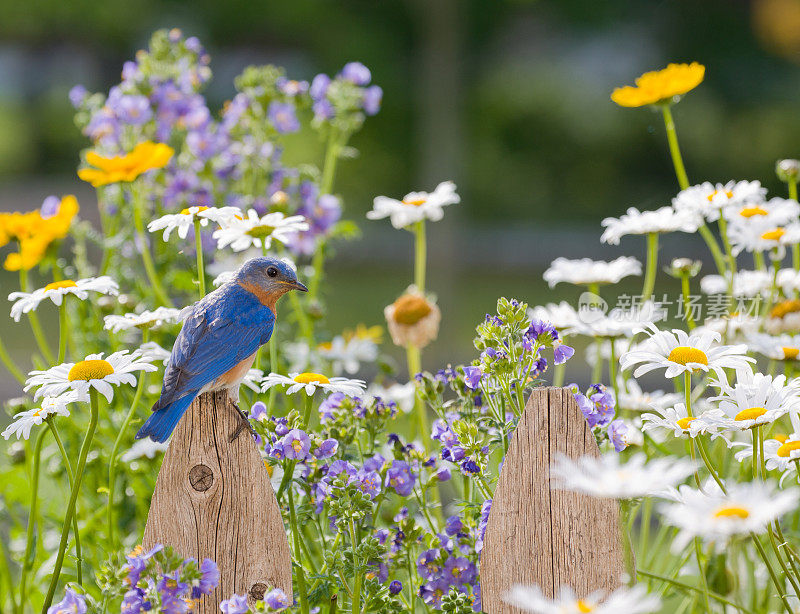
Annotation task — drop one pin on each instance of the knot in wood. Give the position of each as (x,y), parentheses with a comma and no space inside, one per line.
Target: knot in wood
(258,590)
(201,477)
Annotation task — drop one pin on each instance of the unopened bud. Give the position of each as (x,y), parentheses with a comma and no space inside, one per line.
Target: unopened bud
(787,170)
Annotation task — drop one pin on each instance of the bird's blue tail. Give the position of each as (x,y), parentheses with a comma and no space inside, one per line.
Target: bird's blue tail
(162,422)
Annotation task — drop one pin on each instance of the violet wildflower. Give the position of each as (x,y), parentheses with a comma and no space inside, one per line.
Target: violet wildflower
(235,605)
(296,444)
(373,96)
(562,353)
(369,482)
(395,587)
(470,467)
(486,509)
(356,73)
(282,117)
(277,600)
(618,432)
(400,477)
(72,603)
(258,411)
(459,570)
(472,377)
(209,579)
(327,448)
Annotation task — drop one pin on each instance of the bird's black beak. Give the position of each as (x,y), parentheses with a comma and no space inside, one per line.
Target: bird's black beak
(296,285)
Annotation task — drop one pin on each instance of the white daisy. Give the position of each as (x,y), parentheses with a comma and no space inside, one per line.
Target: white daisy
(784,318)
(143,448)
(732,326)
(24,421)
(747,508)
(777,347)
(763,235)
(633,398)
(635,222)
(562,315)
(755,399)
(745,283)
(677,420)
(708,199)
(779,454)
(311,382)
(680,353)
(608,476)
(146,319)
(415,206)
(634,600)
(57,290)
(779,210)
(347,355)
(258,231)
(586,271)
(620,321)
(184,220)
(152,352)
(92,372)
(252,379)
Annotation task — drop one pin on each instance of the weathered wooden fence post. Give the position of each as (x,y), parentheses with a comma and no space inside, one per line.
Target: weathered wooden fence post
(213,499)
(537,535)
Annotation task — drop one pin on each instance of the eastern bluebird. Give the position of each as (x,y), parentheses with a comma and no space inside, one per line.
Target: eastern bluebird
(219,340)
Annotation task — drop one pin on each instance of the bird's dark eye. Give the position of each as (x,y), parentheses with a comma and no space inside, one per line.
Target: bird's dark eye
(272,271)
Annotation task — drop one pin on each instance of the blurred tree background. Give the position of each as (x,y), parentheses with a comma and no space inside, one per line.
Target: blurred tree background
(510,98)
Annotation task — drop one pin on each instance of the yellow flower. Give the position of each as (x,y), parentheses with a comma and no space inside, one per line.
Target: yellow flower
(35,233)
(660,86)
(144,157)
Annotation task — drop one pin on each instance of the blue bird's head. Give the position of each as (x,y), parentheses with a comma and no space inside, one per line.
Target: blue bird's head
(268,279)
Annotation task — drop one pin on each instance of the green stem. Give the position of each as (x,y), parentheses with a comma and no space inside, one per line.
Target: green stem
(687,300)
(689,587)
(147,259)
(9,364)
(112,461)
(698,551)
(723,231)
(308,404)
(27,561)
(301,576)
(63,330)
(201,269)
(773,576)
(306,328)
(36,327)
(420,256)
(674,148)
(414,361)
(356,609)
(713,246)
(51,422)
(652,264)
(73,499)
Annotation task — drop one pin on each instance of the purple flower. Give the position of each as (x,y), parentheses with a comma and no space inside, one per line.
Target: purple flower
(330,405)
(375,463)
(319,86)
(395,587)
(277,599)
(486,509)
(291,87)
(400,478)
(356,73)
(369,482)
(131,110)
(453,526)
(327,448)
(618,434)
(282,117)
(50,206)
(235,605)
(459,570)
(443,475)
(372,99)
(209,579)
(296,445)
(470,467)
(170,585)
(72,603)
(428,564)
(472,377)
(323,109)
(562,353)
(432,592)
(77,95)
(258,411)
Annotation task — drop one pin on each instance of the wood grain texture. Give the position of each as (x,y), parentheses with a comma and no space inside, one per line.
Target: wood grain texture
(538,535)
(213,499)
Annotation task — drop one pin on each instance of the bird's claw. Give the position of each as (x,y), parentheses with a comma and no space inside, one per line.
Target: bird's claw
(243,424)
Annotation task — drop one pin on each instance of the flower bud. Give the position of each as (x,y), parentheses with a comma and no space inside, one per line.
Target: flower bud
(787,170)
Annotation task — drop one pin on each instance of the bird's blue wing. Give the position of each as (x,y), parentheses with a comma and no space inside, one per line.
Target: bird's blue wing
(217,336)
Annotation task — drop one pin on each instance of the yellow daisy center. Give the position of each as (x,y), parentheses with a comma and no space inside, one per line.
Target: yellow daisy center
(785,307)
(58,285)
(583,606)
(684,354)
(773,235)
(90,369)
(751,211)
(790,353)
(261,232)
(727,193)
(684,422)
(750,414)
(414,202)
(410,309)
(188,212)
(787,448)
(312,378)
(780,437)
(732,512)
(297,445)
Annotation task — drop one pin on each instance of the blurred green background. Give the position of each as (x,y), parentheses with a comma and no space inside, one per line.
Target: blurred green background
(508,98)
